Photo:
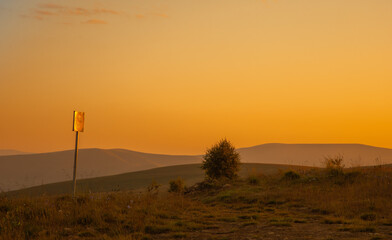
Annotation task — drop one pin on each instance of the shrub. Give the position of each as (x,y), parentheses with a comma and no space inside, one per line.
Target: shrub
(368,217)
(253,180)
(4,208)
(156,229)
(85,220)
(177,186)
(334,165)
(207,184)
(31,231)
(291,175)
(221,161)
(153,187)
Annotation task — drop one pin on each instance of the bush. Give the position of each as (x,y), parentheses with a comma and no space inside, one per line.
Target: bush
(334,165)
(291,175)
(156,229)
(253,180)
(31,231)
(221,161)
(368,217)
(154,186)
(177,186)
(207,184)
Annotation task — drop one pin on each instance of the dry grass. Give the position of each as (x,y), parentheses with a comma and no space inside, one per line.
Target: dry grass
(122,215)
(350,194)
(354,203)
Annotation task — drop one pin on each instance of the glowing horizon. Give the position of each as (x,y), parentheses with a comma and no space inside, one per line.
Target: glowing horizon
(174,77)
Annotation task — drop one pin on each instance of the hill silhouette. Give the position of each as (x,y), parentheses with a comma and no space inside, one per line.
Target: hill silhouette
(21,171)
(314,154)
(7,152)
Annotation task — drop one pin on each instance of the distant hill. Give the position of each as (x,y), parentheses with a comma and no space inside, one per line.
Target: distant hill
(190,173)
(21,171)
(6,152)
(314,154)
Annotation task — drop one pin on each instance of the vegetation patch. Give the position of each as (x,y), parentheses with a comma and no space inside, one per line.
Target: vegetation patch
(291,176)
(179,235)
(368,217)
(300,221)
(227,219)
(366,229)
(86,234)
(281,222)
(333,221)
(320,211)
(156,229)
(253,180)
(177,186)
(245,224)
(248,217)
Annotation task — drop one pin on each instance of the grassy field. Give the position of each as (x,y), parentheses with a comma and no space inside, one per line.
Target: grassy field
(190,173)
(289,204)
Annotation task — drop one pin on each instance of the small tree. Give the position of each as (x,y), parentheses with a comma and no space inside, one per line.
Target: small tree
(221,161)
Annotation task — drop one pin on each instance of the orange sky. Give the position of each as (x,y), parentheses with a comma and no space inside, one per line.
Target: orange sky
(175,76)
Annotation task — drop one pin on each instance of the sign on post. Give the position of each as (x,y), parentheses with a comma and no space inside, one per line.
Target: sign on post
(78,121)
(78,126)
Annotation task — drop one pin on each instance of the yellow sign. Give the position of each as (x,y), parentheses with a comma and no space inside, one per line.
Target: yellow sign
(78,121)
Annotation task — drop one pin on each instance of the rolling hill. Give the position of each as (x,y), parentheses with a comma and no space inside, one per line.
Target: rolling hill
(190,173)
(21,171)
(7,152)
(314,154)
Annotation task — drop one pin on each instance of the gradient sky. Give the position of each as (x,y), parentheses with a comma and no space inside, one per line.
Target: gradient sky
(175,76)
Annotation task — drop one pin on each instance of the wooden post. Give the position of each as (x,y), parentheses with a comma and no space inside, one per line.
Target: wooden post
(75,163)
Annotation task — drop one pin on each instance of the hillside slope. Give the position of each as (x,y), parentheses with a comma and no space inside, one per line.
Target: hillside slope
(190,173)
(20,171)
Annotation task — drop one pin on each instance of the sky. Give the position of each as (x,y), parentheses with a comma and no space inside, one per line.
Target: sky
(175,76)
